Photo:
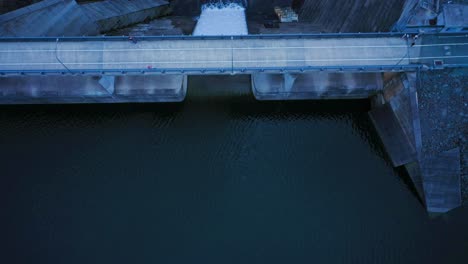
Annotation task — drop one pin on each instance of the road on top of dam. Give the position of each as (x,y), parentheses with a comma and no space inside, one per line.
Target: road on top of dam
(245,55)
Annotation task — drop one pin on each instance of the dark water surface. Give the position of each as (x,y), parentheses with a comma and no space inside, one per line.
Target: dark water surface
(220,178)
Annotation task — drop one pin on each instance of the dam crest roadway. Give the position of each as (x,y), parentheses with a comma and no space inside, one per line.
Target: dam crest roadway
(370,52)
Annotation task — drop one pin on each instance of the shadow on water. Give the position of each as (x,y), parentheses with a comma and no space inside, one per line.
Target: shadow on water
(406,178)
(209,95)
(231,95)
(235,93)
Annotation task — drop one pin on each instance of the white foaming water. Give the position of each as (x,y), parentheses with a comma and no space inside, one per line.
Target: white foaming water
(221,19)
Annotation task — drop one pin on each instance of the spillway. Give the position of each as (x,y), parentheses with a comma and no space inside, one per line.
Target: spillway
(221,19)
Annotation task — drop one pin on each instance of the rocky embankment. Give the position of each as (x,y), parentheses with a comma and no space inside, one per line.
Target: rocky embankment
(443,108)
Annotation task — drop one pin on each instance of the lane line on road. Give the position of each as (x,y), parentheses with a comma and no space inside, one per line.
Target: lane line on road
(226,61)
(228,48)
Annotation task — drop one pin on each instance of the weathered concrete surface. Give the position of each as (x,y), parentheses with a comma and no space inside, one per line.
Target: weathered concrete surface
(67,18)
(160,87)
(193,7)
(350,16)
(419,16)
(328,16)
(48,18)
(436,177)
(396,119)
(441,177)
(394,138)
(454,17)
(315,85)
(405,108)
(433,16)
(167,26)
(401,96)
(11,5)
(257,26)
(92,89)
(120,13)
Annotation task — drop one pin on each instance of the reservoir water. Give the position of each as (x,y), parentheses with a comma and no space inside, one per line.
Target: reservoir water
(219,178)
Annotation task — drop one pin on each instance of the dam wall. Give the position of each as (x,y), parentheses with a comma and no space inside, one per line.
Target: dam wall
(172,87)
(315,85)
(395,115)
(11,5)
(92,89)
(193,7)
(350,16)
(396,120)
(114,14)
(48,18)
(67,18)
(328,16)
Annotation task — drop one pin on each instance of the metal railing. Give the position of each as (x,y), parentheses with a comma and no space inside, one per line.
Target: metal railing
(200,71)
(224,37)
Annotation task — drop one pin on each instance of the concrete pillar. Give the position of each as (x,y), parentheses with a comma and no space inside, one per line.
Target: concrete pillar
(394,120)
(395,115)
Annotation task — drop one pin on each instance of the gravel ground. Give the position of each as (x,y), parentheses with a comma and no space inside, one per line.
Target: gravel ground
(444,119)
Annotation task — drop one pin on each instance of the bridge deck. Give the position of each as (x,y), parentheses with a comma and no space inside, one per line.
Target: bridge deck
(236,55)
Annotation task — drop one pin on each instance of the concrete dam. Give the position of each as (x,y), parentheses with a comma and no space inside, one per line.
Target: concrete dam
(328,16)
(346,59)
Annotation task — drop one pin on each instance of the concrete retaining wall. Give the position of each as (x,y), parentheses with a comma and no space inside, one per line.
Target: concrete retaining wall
(395,116)
(67,18)
(11,5)
(157,88)
(48,18)
(120,13)
(193,7)
(350,16)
